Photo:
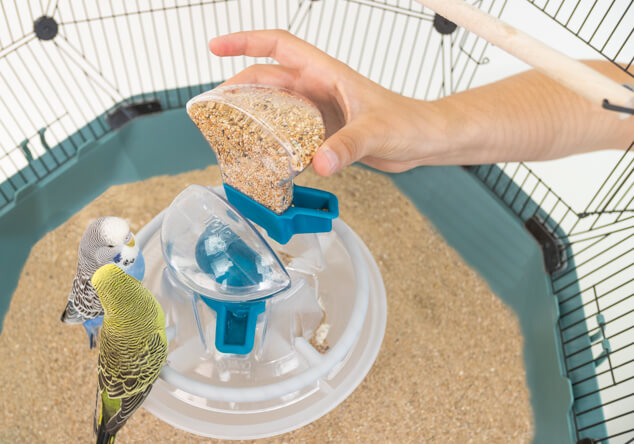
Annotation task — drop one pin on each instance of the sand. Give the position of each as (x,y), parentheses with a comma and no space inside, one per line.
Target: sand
(450,368)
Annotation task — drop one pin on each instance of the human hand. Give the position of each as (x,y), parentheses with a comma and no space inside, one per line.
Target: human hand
(364,121)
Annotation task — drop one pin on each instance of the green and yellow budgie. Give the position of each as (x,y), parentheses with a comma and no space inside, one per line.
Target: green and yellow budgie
(132,351)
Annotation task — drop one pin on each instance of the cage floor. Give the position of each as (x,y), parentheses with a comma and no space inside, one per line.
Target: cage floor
(450,368)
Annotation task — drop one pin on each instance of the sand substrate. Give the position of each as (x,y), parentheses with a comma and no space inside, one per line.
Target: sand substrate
(450,368)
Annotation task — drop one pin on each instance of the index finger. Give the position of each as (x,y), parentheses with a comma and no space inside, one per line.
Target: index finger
(281,45)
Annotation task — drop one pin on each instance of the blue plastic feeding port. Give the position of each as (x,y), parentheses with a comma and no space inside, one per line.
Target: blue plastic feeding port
(235,324)
(222,254)
(311,211)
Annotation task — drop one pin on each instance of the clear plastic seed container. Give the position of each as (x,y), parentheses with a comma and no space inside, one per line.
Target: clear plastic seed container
(263,136)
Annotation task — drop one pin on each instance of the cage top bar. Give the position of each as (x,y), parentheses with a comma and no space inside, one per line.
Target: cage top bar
(571,73)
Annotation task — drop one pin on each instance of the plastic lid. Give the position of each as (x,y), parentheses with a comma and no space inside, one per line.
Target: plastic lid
(217,253)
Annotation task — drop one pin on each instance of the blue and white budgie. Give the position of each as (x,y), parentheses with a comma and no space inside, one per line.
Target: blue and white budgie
(107,240)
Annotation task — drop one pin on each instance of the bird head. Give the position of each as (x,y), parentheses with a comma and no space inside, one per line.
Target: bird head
(112,284)
(121,295)
(107,240)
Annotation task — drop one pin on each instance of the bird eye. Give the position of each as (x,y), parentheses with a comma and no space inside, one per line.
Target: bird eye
(110,246)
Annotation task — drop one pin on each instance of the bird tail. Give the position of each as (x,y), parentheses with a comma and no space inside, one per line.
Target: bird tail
(103,436)
(99,423)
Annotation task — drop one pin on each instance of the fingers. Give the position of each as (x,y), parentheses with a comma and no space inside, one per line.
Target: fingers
(273,75)
(346,146)
(389,166)
(278,44)
(251,43)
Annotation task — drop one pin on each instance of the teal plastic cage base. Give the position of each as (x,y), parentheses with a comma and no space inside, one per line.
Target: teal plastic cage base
(492,239)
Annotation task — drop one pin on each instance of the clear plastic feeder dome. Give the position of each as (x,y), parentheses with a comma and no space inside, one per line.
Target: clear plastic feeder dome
(230,260)
(264,338)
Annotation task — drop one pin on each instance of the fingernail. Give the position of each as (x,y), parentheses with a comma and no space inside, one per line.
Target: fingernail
(331,158)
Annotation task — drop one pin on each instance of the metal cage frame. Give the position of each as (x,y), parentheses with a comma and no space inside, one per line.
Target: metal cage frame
(578,246)
(612,17)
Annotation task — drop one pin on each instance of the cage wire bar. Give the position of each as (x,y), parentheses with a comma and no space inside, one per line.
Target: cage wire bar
(62,93)
(605,26)
(593,280)
(71,79)
(596,298)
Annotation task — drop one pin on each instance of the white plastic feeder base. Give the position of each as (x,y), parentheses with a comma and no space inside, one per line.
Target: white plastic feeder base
(252,407)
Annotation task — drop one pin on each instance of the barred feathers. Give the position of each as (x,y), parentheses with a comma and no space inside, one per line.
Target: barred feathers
(100,243)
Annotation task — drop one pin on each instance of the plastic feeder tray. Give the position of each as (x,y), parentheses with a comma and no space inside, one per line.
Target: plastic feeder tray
(257,348)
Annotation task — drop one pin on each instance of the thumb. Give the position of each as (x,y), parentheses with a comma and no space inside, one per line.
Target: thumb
(346,146)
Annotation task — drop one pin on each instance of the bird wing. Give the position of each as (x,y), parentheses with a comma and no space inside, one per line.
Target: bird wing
(84,298)
(128,407)
(129,378)
(126,373)
(116,412)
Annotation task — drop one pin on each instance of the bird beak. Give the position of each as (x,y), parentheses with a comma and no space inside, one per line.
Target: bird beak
(131,243)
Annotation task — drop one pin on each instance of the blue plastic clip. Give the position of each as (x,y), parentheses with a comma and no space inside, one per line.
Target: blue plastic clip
(235,324)
(312,211)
